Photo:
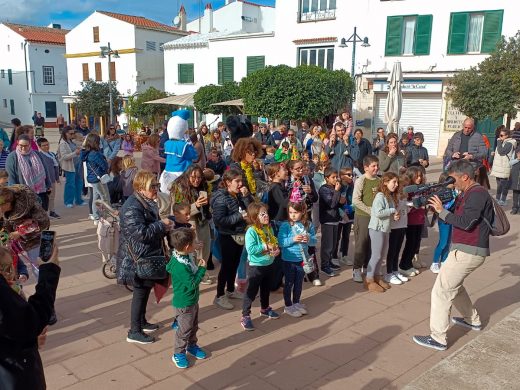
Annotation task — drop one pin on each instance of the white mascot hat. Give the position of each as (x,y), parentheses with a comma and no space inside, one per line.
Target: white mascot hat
(178,124)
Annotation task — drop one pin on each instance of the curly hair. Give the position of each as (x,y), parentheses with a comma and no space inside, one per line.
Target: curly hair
(244,145)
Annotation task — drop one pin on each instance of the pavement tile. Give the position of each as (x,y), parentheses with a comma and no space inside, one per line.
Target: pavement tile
(317,327)
(358,309)
(58,377)
(59,349)
(391,297)
(157,366)
(382,326)
(125,377)
(224,340)
(177,381)
(104,359)
(251,382)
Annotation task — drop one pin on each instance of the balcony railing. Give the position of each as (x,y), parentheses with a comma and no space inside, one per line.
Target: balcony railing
(316,16)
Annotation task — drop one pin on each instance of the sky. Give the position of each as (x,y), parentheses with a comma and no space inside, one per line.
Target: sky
(72,12)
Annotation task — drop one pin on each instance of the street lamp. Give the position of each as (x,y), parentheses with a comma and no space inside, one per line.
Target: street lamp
(104,52)
(354,39)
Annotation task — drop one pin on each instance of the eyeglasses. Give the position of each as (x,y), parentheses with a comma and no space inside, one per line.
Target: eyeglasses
(24,145)
(290,135)
(251,152)
(154,186)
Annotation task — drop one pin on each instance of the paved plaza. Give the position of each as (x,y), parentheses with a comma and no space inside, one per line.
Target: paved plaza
(350,340)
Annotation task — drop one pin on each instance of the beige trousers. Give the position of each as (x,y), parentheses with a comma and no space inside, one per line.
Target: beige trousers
(448,290)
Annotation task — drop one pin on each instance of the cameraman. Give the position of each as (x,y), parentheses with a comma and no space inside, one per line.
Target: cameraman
(23,328)
(469,248)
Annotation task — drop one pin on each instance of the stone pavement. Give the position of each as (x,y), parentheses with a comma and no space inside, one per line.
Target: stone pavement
(350,340)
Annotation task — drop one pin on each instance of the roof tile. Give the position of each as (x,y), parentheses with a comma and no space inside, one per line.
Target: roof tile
(142,22)
(53,36)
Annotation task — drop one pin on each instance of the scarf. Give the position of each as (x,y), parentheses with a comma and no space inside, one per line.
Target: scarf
(266,235)
(250,178)
(186,260)
(32,171)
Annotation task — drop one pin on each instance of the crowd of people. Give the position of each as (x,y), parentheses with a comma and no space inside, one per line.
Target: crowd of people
(254,199)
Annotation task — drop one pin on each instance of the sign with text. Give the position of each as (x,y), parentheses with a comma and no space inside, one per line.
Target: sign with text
(413,86)
(453,119)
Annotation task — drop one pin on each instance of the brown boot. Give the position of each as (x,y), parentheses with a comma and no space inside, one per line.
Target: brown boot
(373,286)
(379,280)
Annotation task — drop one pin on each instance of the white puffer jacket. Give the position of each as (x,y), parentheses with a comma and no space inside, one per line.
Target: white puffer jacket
(503,154)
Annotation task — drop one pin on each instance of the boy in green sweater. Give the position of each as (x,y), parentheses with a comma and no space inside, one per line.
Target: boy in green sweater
(186,277)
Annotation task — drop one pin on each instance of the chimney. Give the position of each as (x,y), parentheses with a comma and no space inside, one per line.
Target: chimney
(182,17)
(208,18)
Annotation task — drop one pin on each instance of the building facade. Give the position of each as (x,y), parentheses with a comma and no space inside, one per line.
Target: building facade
(33,72)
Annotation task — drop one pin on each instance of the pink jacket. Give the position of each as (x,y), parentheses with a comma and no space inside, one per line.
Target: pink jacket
(151,161)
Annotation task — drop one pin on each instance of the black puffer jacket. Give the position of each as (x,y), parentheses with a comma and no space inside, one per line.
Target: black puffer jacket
(142,232)
(226,216)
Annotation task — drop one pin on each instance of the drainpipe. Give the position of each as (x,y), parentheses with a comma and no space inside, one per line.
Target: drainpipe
(25,60)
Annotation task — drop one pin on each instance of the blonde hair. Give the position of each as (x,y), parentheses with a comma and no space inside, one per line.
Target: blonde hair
(128,162)
(143,179)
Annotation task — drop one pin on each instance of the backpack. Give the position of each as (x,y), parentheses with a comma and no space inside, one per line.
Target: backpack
(500,224)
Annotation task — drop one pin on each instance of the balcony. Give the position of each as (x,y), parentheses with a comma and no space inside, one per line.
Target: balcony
(317,16)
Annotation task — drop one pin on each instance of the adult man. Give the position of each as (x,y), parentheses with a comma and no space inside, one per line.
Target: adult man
(293,142)
(264,136)
(60,122)
(338,148)
(302,131)
(360,148)
(82,129)
(221,126)
(466,144)
(379,141)
(39,125)
(515,133)
(469,248)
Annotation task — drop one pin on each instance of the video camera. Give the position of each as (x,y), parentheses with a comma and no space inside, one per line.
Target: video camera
(422,193)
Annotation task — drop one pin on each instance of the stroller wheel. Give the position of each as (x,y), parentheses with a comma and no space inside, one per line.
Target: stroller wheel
(109,270)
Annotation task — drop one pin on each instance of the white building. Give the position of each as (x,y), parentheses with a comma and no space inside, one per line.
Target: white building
(138,42)
(33,72)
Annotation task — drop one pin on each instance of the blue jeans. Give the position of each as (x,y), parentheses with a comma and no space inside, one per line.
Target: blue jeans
(73,186)
(242,266)
(443,246)
(293,276)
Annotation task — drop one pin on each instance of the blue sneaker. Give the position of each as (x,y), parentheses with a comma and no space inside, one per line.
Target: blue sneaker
(428,342)
(180,360)
(246,323)
(175,325)
(269,313)
(196,351)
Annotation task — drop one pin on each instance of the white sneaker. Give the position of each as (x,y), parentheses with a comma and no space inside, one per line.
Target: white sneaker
(417,272)
(335,262)
(91,217)
(357,276)
(223,303)
(96,221)
(292,311)
(392,279)
(206,280)
(408,272)
(401,277)
(234,295)
(317,283)
(435,268)
(349,261)
(69,206)
(301,308)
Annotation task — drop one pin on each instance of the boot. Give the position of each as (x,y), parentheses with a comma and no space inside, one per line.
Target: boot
(372,286)
(379,280)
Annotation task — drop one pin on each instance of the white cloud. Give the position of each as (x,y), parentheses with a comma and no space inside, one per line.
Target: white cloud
(37,11)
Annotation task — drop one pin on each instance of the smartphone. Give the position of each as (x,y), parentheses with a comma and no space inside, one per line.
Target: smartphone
(203,194)
(47,245)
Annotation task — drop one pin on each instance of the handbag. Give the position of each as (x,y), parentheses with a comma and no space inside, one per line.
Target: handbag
(240,239)
(105,179)
(151,267)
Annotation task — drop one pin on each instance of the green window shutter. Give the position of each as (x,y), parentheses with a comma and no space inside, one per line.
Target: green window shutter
(186,74)
(423,34)
(458,32)
(492,31)
(226,69)
(255,63)
(220,71)
(394,30)
(10,76)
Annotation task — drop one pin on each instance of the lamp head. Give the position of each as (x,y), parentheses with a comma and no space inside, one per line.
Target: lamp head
(343,43)
(102,55)
(365,42)
(116,54)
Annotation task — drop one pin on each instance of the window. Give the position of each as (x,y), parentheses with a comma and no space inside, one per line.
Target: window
(150,46)
(11,103)
(408,35)
(112,70)
(48,75)
(318,56)
(255,63)
(186,74)
(50,110)
(315,10)
(97,69)
(226,69)
(2,73)
(474,32)
(85,72)
(4,101)
(10,76)
(95,33)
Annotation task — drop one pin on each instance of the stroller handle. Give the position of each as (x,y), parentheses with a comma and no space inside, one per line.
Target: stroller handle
(104,205)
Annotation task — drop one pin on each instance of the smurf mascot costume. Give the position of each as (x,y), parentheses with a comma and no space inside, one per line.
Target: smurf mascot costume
(179,152)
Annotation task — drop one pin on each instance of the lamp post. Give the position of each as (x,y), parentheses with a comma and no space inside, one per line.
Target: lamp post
(354,39)
(106,51)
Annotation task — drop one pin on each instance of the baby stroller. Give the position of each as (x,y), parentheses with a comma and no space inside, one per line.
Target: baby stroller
(108,237)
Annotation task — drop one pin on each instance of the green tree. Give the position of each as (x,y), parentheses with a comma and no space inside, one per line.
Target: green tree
(209,94)
(301,93)
(492,88)
(146,113)
(93,99)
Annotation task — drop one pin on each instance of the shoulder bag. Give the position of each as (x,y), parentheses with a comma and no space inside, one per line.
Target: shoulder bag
(150,267)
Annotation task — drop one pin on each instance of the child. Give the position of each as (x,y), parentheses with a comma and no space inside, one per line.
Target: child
(416,218)
(295,237)
(4,178)
(127,176)
(397,234)
(52,167)
(186,277)
(269,157)
(283,154)
(128,145)
(262,248)
(365,189)
(382,212)
(318,179)
(347,215)
(8,269)
(440,254)
(3,155)
(115,186)
(329,219)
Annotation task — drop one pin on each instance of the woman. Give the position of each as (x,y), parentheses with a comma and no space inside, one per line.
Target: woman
(313,142)
(204,136)
(199,148)
(504,153)
(96,168)
(142,236)
(27,130)
(391,159)
(25,166)
(68,156)
(215,142)
(151,161)
(245,152)
(360,148)
(111,144)
(229,204)
(115,186)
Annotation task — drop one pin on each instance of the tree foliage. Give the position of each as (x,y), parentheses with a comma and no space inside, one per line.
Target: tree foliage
(209,94)
(491,89)
(301,93)
(146,113)
(93,99)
